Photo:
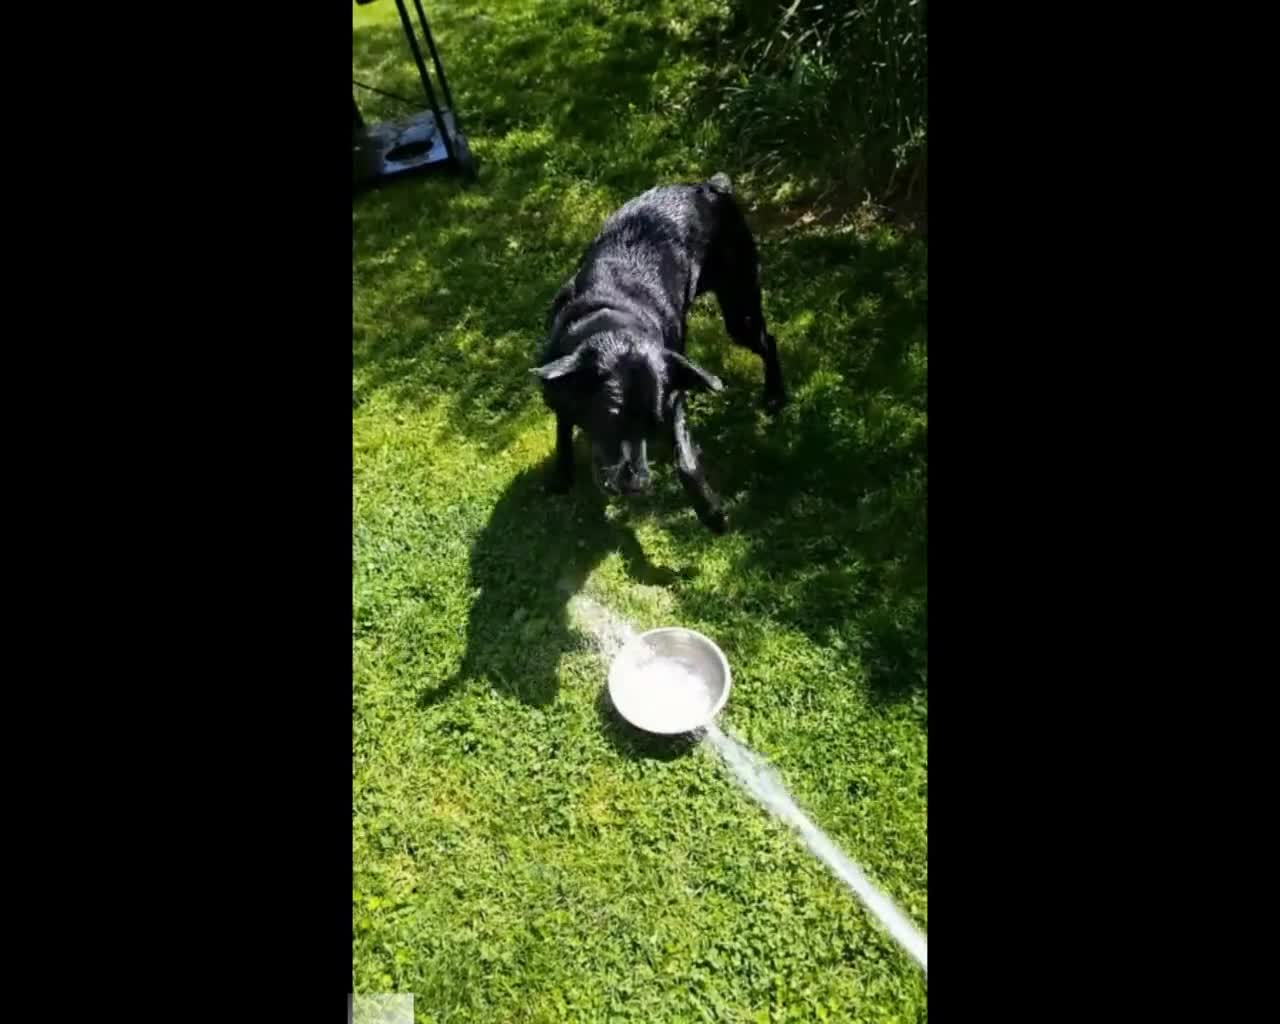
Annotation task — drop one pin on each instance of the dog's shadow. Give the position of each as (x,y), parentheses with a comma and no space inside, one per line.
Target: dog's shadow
(535,552)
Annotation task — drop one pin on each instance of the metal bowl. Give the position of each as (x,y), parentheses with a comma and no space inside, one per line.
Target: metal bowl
(669,681)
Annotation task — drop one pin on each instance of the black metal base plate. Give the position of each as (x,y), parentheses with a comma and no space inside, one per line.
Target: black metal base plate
(408,145)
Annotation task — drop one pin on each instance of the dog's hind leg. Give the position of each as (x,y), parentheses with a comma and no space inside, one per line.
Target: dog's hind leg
(689,466)
(738,291)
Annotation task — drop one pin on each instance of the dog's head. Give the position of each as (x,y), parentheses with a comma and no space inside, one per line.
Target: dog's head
(620,393)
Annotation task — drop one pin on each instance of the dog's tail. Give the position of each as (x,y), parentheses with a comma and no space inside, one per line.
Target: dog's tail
(720,183)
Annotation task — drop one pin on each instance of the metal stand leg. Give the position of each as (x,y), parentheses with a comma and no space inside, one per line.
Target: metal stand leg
(426,82)
(435,59)
(408,145)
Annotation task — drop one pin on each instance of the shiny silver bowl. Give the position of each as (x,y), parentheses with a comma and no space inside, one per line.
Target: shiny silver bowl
(669,681)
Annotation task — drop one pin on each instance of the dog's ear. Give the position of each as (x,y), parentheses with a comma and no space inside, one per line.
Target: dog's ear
(562,367)
(683,375)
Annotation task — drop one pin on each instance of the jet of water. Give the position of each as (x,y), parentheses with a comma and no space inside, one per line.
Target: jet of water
(610,634)
(764,784)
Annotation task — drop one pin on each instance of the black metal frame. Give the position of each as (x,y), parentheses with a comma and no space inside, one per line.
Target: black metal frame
(415,137)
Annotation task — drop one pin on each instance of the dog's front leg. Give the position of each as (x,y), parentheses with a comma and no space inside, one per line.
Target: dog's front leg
(689,465)
(562,476)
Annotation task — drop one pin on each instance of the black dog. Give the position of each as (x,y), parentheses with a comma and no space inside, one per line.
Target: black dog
(614,363)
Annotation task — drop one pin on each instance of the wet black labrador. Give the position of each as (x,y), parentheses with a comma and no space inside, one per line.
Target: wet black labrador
(614,364)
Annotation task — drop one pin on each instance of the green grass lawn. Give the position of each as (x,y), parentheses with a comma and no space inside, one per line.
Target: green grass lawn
(518,854)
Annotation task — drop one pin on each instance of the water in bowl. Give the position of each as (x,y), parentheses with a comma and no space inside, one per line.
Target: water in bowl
(661,694)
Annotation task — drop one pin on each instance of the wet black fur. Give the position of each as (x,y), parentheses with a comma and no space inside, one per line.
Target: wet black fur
(614,364)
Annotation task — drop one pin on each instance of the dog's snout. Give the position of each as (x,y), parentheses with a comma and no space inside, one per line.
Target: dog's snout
(624,480)
(635,481)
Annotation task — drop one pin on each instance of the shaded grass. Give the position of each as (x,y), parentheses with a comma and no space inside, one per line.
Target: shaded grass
(838,87)
(518,853)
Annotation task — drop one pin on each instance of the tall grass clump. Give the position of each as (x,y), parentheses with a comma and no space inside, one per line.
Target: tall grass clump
(838,87)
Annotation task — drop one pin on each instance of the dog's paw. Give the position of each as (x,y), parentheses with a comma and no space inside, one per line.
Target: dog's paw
(714,520)
(774,401)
